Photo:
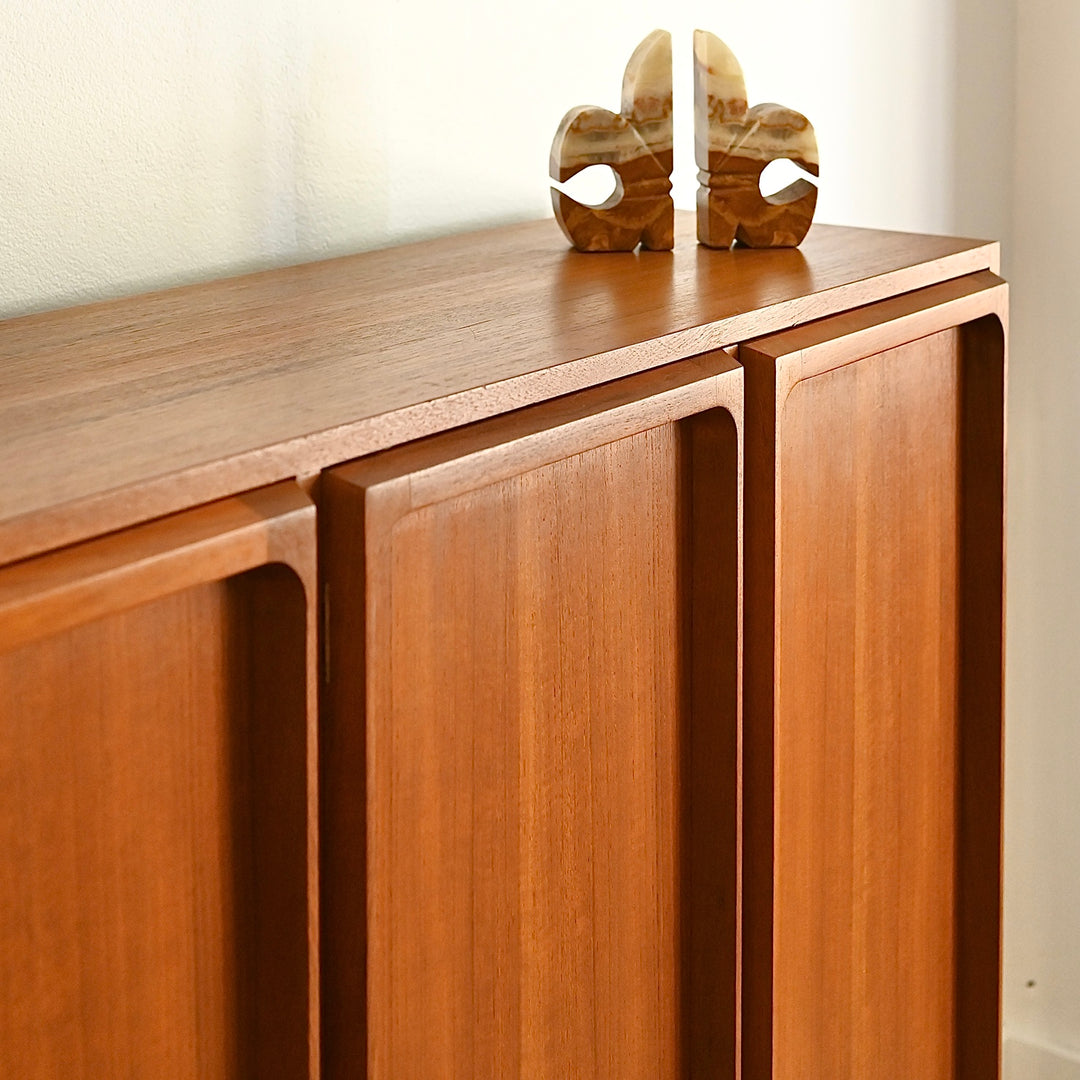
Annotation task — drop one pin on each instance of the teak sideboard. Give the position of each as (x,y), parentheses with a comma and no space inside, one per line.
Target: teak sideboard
(483,661)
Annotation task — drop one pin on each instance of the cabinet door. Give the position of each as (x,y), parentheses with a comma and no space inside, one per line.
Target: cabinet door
(531,750)
(156,759)
(874,480)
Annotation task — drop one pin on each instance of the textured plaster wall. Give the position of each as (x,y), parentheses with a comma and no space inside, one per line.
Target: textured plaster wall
(147,142)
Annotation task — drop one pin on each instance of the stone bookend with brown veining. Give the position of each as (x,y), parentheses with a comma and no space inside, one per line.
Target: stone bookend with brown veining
(733,144)
(637,144)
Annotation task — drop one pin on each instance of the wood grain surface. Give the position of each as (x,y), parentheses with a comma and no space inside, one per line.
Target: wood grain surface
(530,591)
(873,699)
(531,744)
(127,410)
(158,883)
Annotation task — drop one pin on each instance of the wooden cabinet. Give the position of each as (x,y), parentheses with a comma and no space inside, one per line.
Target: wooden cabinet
(533,632)
(480,660)
(157,811)
(873,697)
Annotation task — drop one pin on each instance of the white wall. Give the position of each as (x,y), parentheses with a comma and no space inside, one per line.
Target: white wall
(147,143)
(1042,900)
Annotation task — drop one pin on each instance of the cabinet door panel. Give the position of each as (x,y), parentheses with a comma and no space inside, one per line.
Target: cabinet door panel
(154,750)
(546,722)
(873,792)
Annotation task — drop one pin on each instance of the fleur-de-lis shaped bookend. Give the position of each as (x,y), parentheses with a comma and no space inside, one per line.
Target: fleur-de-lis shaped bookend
(733,144)
(637,144)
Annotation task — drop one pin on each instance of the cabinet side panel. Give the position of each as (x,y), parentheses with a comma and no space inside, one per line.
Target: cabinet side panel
(153,824)
(527,715)
(867,729)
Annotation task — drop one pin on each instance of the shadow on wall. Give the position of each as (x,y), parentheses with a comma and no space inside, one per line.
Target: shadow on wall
(1026,1061)
(1017,152)
(983,119)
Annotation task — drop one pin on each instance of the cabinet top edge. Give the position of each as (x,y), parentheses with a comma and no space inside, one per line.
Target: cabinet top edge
(128,409)
(541,236)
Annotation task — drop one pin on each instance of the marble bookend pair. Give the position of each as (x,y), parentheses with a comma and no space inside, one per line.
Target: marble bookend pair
(733,144)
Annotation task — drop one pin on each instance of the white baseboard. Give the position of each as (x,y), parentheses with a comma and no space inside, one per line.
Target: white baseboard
(1027,1061)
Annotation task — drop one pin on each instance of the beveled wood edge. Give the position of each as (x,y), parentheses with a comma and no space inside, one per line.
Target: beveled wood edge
(463,460)
(822,346)
(788,358)
(102,512)
(66,588)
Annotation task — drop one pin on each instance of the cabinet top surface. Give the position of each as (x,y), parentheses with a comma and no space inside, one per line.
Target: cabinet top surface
(131,408)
